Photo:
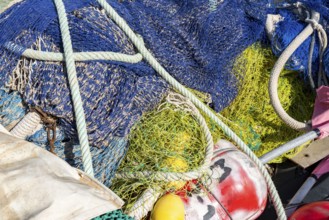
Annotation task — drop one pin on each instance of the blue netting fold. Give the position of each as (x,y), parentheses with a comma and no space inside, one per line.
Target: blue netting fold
(114,94)
(198,45)
(12,109)
(106,159)
(290,26)
(285,31)
(34,15)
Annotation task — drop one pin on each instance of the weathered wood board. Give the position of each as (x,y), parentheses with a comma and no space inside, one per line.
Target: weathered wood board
(312,153)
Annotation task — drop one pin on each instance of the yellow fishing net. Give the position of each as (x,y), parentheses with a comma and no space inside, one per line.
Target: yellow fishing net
(167,139)
(259,126)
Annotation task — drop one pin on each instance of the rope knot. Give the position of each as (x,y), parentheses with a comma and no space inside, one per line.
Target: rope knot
(50,123)
(315,24)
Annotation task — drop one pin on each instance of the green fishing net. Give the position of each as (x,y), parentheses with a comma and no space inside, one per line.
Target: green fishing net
(115,215)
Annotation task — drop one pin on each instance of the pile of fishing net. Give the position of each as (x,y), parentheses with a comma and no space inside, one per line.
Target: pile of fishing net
(184,35)
(172,140)
(134,117)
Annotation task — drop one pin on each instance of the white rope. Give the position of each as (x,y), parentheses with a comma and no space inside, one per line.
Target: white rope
(274,78)
(74,88)
(279,65)
(80,56)
(27,126)
(144,204)
(322,35)
(83,56)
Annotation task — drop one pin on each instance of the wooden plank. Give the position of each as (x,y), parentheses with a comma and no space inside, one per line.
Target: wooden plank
(312,153)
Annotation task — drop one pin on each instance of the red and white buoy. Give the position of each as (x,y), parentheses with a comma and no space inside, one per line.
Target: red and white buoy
(235,190)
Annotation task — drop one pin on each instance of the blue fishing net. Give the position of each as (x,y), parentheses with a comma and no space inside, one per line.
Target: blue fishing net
(196,41)
(12,109)
(290,26)
(200,43)
(322,6)
(286,30)
(105,159)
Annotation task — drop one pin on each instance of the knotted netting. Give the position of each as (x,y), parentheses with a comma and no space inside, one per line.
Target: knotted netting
(11,108)
(196,41)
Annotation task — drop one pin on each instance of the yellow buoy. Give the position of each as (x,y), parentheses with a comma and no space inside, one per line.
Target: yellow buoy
(176,164)
(181,141)
(168,207)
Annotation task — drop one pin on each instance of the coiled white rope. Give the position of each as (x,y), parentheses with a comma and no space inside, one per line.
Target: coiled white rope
(27,126)
(145,203)
(274,79)
(184,103)
(279,65)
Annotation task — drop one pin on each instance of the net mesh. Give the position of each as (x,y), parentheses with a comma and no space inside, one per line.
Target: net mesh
(171,139)
(252,111)
(195,41)
(11,108)
(115,215)
(206,47)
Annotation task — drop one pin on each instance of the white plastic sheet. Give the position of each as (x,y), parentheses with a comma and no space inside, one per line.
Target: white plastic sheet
(35,184)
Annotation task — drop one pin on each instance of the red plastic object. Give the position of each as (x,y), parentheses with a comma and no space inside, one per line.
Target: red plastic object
(322,168)
(236,189)
(313,211)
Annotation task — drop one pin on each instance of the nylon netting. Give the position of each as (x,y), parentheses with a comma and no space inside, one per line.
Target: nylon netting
(195,41)
(290,26)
